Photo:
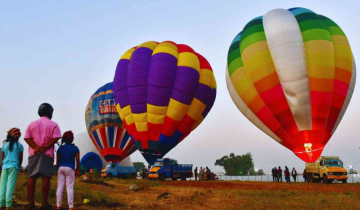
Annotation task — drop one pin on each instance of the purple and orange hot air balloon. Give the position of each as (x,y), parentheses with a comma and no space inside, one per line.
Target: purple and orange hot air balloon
(105,127)
(162,91)
(292,74)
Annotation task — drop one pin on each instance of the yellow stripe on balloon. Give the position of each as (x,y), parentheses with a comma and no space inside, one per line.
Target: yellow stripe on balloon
(151,45)
(141,126)
(156,114)
(254,48)
(155,118)
(160,110)
(241,81)
(176,110)
(243,85)
(140,117)
(206,77)
(190,60)
(196,109)
(168,48)
(343,51)
(197,123)
(121,114)
(340,40)
(127,54)
(102,93)
(343,63)
(129,119)
(214,85)
(261,72)
(258,60)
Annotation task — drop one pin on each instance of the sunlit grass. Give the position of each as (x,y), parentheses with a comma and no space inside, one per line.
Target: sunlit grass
(115,194)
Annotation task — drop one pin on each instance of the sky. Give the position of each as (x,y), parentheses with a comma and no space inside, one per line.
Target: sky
(61,52)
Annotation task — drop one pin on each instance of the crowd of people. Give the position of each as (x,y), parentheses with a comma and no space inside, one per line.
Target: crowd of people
(41,136)
(277,174)
(202,174)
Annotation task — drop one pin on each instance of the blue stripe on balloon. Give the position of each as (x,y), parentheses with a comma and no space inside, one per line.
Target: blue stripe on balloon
(111,132)
(298,11)
(125,139)
(96,137)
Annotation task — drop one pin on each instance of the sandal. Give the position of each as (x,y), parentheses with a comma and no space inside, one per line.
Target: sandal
(31,206)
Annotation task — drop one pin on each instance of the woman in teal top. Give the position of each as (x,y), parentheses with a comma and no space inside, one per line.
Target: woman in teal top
(12,154)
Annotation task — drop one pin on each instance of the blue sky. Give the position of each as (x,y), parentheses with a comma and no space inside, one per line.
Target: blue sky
(61,52)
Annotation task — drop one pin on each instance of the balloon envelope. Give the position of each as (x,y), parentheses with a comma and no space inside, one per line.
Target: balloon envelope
(292,74)
(163,91)
(105,127)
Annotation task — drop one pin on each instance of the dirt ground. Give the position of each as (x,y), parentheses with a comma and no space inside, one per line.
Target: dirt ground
(115,194)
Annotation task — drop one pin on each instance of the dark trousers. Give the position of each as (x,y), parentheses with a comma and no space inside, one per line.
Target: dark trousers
(195,177)
(279,178)
(294,176)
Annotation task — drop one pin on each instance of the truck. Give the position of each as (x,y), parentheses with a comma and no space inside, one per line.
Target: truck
(169,168)
(326,169)
(115,170)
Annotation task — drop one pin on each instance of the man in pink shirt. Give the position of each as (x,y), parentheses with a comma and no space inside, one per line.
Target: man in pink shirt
(41,135)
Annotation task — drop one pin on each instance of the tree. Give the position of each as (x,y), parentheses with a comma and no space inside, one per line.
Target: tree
(236,164)
(352,171)
(139,165)
(260,172)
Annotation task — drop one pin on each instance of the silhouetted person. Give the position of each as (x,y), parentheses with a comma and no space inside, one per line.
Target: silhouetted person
(208,173)
(279,174)
(294,174)
(273,174)
(287,175)
(276,174)
(196,173)
(305,176)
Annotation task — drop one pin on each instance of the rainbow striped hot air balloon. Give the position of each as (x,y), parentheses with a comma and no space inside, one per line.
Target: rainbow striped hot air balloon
(105,127)
(163,91)
(292,74)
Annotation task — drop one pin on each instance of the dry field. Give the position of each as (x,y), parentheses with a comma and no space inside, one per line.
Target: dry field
(115,194)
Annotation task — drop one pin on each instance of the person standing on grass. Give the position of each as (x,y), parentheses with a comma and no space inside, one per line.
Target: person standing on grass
(208,173)
(279,174)
(294,174)
(65,158)
(201,174)
(305,176)
(273,174)
(196,173)
(276,174)
(12,156)
(41,135)
(287,175)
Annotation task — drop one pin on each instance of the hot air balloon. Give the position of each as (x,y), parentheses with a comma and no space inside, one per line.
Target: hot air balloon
(105,128)
(292,74)
(162,91)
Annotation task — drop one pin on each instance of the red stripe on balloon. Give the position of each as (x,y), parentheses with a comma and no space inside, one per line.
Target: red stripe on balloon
(94,142)
(118,137)
(143,136)
(186,125)
(169,126)
(204,64)
(184,48)
(154,131)
(277,104)
(104,137)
